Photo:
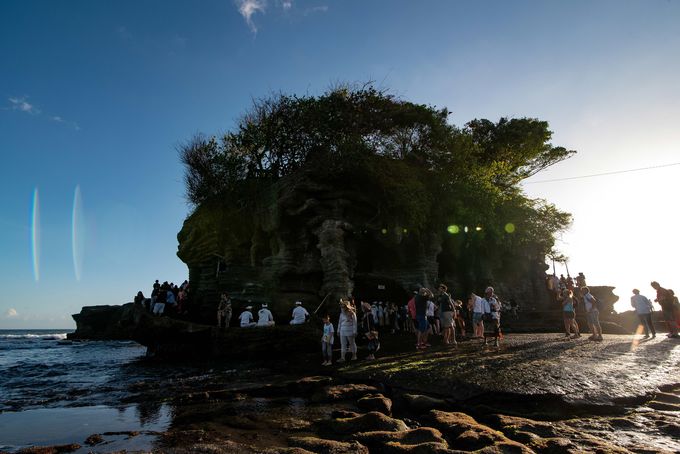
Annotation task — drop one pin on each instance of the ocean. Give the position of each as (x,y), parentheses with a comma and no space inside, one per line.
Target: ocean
(54,391)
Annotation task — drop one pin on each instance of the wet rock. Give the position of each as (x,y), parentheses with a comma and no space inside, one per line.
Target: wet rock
(513,424)
(94,439)
(343,414)
(375,402)
(373,421)
(422,404)
(464,432)
(322,446)
(424,439)
(343,392)
(308,385)
(57,449)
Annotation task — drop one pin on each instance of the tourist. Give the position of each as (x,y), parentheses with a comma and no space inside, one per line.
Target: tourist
(367,324)
(392,317)
(590,304)
(643,308)
(665,299)
(569,314)
(381,314)
(159,305)
(327,341)
(446,315)
(182,300)
(460,319)
(246,317)
(676,308)
(476,304)
(224,311)
(264,317)
(430,314)
(139,298)
(580,280)
(411,309)
(170,301)
(374,312)
(422,326)
(373,343)
(300,314)
(347,330)
(492,309)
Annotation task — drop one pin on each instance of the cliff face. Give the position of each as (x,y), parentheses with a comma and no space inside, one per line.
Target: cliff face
(309,239)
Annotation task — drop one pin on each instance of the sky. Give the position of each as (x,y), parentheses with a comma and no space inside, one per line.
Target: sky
(95,98)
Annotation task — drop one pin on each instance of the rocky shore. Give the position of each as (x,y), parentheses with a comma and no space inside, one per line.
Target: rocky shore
(536,393)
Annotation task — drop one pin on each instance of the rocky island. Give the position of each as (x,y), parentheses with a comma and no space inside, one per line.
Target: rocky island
(357,193)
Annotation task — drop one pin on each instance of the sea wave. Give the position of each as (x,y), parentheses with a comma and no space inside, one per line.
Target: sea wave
(51,336)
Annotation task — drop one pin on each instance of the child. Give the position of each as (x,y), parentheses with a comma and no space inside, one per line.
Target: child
(373,344)
(327,341)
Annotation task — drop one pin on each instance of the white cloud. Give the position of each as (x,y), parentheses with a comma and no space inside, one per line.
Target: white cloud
(9,313)
(316,9)
(248,8)
(287,4)
(22,105)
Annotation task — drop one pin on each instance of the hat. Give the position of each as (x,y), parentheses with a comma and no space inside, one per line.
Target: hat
(264,304)
(298,303)
(488,289)
(249,307)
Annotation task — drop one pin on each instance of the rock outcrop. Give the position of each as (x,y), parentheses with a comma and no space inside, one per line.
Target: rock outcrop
(168,337)
(309,239)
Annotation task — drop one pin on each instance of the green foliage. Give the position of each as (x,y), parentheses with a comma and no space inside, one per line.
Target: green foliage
(422,173)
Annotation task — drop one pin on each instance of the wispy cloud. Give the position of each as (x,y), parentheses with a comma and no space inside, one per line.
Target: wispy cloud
(23,105)
(58,119)
(316,9)
(248,8)
(286,4)
(123,33)
(9,313)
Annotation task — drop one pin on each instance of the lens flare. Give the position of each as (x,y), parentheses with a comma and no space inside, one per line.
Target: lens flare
(77,244)
(35,234)
(453,229)
(510,227)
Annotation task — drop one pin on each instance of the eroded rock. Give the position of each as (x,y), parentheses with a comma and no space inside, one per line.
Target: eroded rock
(375,402)
(464,432)
(323,446)
(423,439)
(370,422)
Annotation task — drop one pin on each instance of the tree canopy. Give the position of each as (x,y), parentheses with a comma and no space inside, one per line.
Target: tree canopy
(425,172)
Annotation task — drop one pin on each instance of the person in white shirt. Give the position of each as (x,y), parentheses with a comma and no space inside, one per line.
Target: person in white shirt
(264,317)
(247,318)
(300,314)
(476,306)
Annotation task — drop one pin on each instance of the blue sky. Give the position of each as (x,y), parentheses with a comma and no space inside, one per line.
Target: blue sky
(99,94)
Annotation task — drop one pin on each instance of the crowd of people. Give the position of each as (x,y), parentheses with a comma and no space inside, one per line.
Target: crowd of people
(427,313)
(166,298)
